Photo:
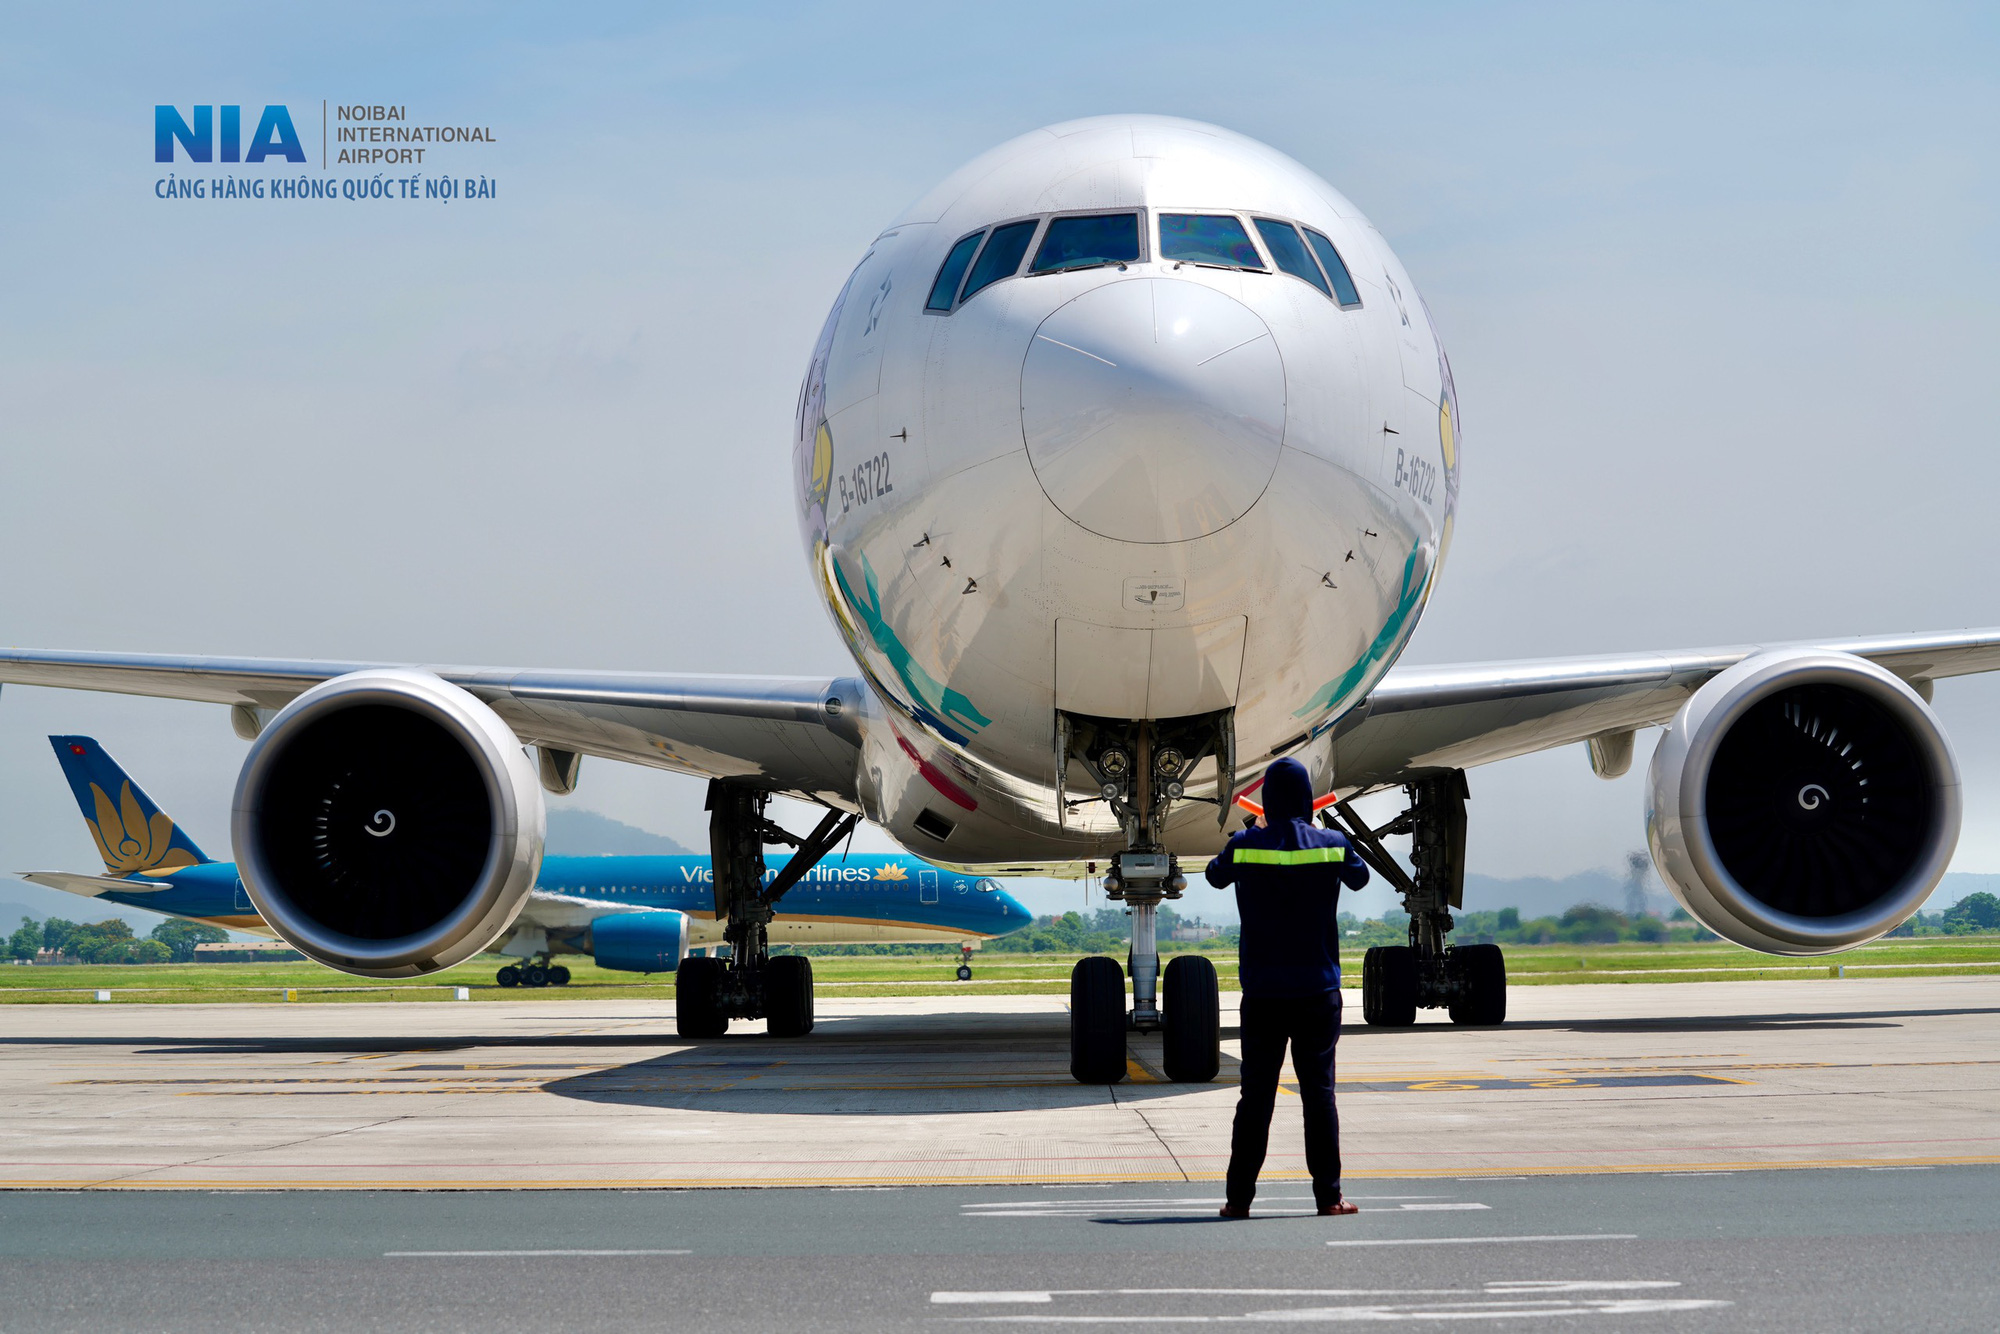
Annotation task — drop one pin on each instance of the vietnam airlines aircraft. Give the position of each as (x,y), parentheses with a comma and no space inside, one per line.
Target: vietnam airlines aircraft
(1125,463)
(635,914)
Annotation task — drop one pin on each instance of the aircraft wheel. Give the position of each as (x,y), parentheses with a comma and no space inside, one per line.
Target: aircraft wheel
(964,973)
(696,1013)
(1389,986)
(558,975)
(534,975)
(1192,1033)
(1097,1021)
(510,976)
(788,996)
(1482,971)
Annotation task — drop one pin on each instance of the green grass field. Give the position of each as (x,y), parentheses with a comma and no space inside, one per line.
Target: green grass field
(994,973)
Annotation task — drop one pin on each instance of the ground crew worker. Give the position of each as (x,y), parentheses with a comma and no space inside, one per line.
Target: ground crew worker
(1288,875)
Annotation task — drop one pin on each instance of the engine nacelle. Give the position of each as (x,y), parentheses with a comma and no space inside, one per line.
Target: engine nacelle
(654,941)
(388,824)
(1803,802)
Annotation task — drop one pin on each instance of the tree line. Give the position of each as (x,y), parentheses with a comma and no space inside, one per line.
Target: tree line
(112,941)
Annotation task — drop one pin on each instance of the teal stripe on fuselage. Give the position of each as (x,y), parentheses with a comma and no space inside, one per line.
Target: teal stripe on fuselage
(871,887)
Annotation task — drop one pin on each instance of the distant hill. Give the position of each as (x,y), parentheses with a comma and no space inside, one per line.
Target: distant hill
(577,833)
(1540,896)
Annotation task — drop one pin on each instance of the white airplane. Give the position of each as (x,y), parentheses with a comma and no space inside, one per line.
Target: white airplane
(1125,464)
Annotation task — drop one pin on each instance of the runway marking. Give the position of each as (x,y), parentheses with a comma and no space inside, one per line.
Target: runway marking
(1088,1208)
(1481,1084)
(1482,1241)
(1774,1065)
(1495,1301)
(1503,1286)
(456,1255)
(805,1082)
(140,1176)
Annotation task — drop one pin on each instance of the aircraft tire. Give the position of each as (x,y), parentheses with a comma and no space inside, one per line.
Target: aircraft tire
(788,996)
(558,975)
(1097,1021)
(510,976)
(964,973)
(1191,1038)
(534,975)
(696,1014)
(1483,970)
(1389,986)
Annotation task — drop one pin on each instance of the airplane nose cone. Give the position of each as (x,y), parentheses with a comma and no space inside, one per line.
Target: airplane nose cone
(1153,409)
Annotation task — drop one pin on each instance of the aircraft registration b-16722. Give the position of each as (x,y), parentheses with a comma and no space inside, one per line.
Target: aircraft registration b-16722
(639,914)
(1125,464)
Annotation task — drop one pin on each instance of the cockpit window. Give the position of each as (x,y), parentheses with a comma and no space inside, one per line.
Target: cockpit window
(1002,256)
(1207,238)
(946,286)
(1288,252)
(1083,242)
(1329,258)
(989,886)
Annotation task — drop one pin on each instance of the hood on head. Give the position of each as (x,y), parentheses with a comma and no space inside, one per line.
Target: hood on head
(1288,792)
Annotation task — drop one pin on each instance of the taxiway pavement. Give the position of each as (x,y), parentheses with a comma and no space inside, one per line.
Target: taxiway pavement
(1608,1079)
(1812,1249)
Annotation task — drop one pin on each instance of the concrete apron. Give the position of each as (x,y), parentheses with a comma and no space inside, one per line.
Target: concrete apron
(1718,1076)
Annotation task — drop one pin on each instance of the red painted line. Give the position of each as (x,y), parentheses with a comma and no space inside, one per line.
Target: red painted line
(936,778)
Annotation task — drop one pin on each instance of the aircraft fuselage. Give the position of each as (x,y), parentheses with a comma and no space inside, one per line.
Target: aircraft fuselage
(1147,488)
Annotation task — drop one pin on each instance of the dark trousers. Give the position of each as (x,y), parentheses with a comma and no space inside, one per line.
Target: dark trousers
(1311,1025)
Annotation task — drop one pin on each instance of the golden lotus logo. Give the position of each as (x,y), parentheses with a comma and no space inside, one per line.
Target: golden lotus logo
(822,466)
(892,872)
(132,844)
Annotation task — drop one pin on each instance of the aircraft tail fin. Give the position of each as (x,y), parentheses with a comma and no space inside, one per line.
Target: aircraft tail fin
(134,836)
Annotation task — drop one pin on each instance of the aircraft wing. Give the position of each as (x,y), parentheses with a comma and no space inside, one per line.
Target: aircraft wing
(1454,717)
(787,734)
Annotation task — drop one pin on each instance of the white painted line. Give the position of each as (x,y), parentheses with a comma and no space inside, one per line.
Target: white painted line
(1481,1241)
(455,1255)
(1434,1207)
(1497,1288)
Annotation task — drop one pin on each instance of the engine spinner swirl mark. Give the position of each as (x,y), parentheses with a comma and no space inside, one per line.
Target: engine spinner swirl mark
(384,823)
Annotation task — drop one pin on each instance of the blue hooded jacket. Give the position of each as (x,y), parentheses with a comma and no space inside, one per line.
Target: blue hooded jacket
(1288,876)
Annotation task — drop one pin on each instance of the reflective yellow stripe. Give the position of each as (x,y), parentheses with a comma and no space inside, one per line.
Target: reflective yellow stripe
(1297,857)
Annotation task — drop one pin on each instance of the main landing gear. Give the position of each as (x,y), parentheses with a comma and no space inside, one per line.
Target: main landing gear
(751,984)
(1141,769)
(1468,981)
(535,972)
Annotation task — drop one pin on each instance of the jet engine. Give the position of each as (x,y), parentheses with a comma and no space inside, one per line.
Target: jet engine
(1803,802)
(654,941)
(388,824)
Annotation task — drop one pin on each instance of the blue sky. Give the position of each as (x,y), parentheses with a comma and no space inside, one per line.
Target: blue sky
(1718,283)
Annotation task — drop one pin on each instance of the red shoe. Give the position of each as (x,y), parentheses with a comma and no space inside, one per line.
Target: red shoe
(1338,1209)
(1231,1211)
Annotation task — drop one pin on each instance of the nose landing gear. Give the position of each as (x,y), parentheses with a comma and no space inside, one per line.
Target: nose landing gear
(1141,769)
